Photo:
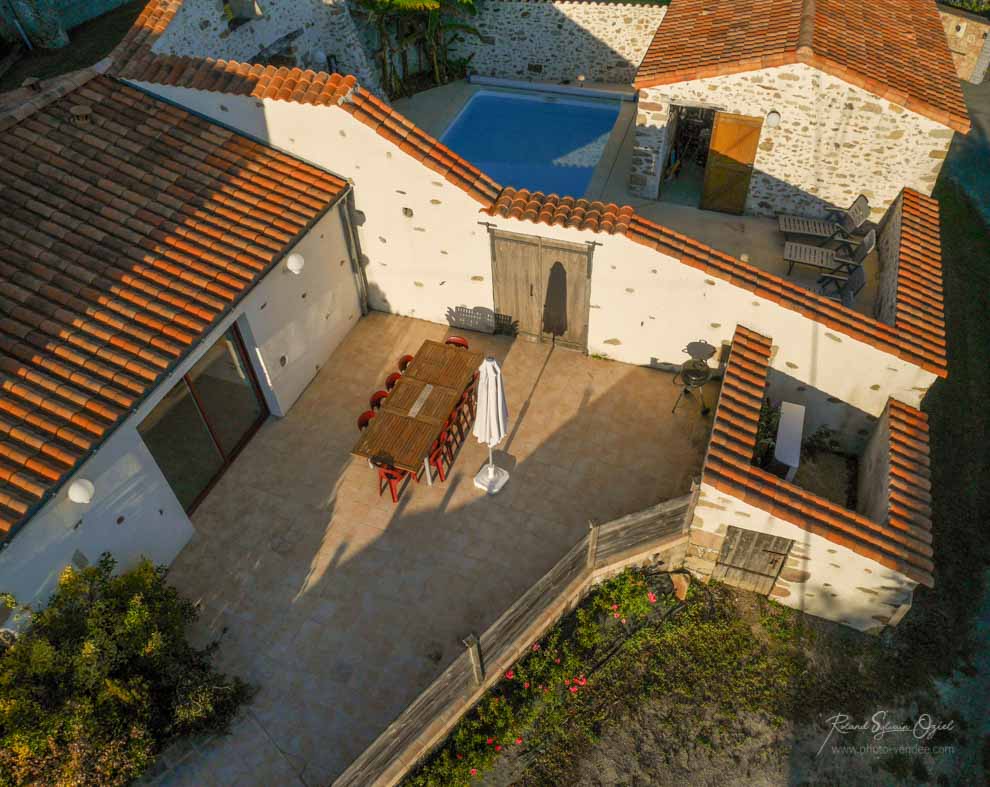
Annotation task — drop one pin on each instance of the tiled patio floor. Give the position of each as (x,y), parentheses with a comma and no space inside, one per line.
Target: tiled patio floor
(341,606)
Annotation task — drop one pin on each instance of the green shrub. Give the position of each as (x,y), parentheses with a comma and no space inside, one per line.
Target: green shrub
(103,679)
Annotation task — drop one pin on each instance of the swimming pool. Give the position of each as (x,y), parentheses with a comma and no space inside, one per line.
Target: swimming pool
(537,141)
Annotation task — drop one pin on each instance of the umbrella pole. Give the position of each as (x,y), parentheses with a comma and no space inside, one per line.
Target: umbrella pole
(491,463)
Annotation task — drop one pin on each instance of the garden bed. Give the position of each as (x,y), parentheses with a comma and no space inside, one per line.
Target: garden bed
(629,640)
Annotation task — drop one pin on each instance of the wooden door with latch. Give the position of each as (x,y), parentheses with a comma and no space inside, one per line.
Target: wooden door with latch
(731,156)
(542,288)
(751,560)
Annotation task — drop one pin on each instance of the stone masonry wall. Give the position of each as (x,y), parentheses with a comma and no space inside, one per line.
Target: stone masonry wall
(819,577)
(888,253)
(872,485)
(968,37)
(315,30)
(554,41)
(834,140)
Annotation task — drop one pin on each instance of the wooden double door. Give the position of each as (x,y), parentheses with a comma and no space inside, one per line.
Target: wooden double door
(542,288)
(751,560)
(731,156)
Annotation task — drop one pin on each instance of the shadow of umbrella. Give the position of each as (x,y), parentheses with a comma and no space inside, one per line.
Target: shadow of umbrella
(555,305)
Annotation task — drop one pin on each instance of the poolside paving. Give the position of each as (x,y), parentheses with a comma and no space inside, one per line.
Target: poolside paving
(340,606)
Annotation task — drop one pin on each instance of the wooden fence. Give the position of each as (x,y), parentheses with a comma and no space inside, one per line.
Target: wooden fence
(657,535)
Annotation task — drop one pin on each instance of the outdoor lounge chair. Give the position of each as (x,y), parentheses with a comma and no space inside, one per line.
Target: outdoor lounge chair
(842,288)
(838,223)
(829,260)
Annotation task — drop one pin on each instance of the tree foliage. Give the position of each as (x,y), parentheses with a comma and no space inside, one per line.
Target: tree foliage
(414,39)
(104,678)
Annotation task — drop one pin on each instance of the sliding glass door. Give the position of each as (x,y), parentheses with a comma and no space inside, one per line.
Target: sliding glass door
(201,424)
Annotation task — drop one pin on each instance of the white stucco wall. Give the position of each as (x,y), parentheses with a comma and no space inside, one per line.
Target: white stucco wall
(130,486)
(325,28)
(820,577)
(426,265)
(834,142)
(292,323)
(544,40)
(645,307)
(134,511)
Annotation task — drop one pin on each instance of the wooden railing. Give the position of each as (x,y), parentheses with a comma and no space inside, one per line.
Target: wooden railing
(656,535)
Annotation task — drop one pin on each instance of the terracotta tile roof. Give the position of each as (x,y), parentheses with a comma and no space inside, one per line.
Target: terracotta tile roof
(919,306)
(147,28)
(122,242)
(895,49)
(582,214)
(902,542)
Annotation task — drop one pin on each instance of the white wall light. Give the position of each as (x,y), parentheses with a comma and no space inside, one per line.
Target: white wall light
(295,263)
(773,118)
(81,491)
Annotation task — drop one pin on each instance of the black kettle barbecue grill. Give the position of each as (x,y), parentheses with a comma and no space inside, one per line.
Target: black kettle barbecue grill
(694,373)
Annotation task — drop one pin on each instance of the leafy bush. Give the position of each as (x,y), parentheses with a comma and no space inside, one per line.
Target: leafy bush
(766,433)
(103,679)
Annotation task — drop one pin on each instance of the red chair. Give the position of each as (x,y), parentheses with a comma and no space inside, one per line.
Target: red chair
(454,428)
(465,411)
(391,477)
(456,341)
(391,380)
(377,398)
(364,419)
(404,362)
(440,452)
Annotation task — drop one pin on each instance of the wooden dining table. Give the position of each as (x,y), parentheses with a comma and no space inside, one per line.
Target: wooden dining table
(412,417)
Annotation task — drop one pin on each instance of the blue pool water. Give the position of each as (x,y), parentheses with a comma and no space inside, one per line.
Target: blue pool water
(541,142)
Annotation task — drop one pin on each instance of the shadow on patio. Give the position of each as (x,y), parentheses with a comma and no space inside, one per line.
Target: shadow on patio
(341,606)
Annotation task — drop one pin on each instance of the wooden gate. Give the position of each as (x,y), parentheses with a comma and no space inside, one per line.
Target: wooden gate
(542,288)
(751,560)
(730,162)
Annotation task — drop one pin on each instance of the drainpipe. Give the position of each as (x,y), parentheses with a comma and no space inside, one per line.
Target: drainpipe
(347,215)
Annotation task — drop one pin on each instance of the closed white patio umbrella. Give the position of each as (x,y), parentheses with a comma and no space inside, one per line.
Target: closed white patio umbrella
(491,423)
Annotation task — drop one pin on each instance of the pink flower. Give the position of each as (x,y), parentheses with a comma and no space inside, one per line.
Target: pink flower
(652,597)
(518,740)
(615,615)
(526,685)
(567,681)
(556,661)
(474,771)
(582,680)
(615,606)
(536,646)
(460,756)
(623,621)
(490,741)
(510,674)
(574,689)
(498,747)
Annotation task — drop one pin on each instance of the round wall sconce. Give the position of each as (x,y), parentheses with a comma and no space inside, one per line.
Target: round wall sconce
(81,491)
(580,80)
(295,263)
(773,118)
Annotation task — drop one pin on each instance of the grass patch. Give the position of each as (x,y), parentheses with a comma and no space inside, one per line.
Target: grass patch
(89,43)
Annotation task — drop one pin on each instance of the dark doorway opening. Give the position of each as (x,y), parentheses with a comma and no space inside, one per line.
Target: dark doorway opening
(204,421)
(690,130)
